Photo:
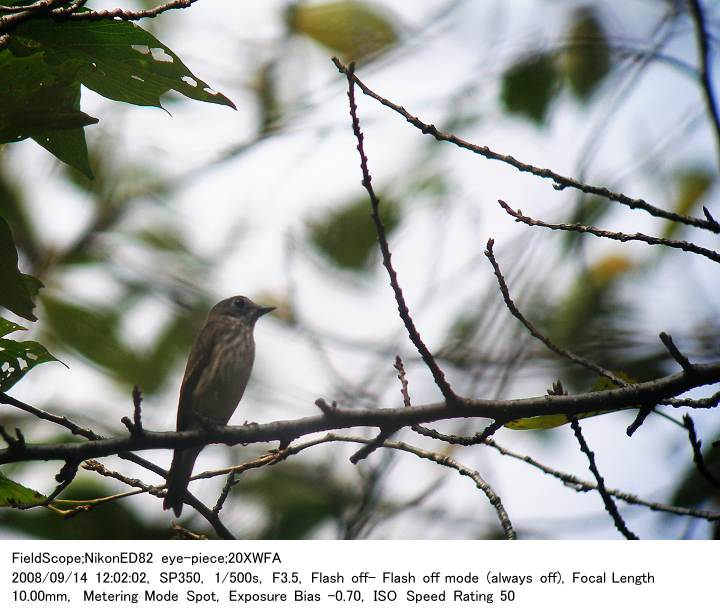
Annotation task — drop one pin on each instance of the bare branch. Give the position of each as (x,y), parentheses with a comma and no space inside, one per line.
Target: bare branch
(635,396)
(560,182)
(702,38)
(698,459)
(675,352)
(607,499)
(536,333)
(613,235)
(127,15)
(413,333)
(585,486)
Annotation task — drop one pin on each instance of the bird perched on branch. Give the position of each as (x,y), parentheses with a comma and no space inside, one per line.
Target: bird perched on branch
(217,371)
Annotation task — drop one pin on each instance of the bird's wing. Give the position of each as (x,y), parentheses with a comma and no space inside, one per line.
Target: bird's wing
(196,364)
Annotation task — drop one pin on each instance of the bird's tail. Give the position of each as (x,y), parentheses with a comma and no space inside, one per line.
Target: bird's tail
(179,478)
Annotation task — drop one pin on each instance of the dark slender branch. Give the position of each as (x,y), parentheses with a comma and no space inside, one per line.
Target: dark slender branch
(634,396)
(639,420)
(607,499)
(702,38)
(454,439)
(585,486)
(413,333)
(675,352)
(613,235)
(698,459)
(535,333)
(444,460)
(560,181)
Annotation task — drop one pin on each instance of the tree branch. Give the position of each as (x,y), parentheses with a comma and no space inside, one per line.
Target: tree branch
(613,235)
(607,499)
(536,333)
(413,333)
(633,396)
(702,38)
(560,182)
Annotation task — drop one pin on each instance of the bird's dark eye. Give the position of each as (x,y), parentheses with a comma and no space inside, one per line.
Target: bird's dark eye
(239,302)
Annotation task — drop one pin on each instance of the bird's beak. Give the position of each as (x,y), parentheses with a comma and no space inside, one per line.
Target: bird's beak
(261,310)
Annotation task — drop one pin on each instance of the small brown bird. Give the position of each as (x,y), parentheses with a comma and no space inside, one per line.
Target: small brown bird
(216,374)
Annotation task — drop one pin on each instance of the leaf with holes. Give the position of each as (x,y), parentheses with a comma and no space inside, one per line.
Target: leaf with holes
(116,59)
(17,358)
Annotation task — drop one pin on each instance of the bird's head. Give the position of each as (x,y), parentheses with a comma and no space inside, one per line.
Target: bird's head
(240,307)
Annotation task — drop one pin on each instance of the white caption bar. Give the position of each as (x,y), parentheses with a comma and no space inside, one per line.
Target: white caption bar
(378,577)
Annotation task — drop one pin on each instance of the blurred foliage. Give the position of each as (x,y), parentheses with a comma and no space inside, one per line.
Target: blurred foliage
(297,498)
(354,30)
(586,62)
(346,236)
(529,86)
(691,185)
(531,83)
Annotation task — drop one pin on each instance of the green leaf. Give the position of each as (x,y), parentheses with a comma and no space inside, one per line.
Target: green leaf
(546,422)
(587,61)
(347,237)
(17,358)
(13,493)
(352,29)
(42,98)
(44,104)
(529,86)
(14,292)
(69,146)
(116,59)
(8,327)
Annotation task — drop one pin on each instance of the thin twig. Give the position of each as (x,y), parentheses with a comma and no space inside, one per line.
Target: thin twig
(607,499)
(639,420)
(438,374)
(536,333)
(560,181)
(700,403)
(127,15)
(585,486)
(698,458)
(613,235)
(454,439)
(702,38)
(675,352)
